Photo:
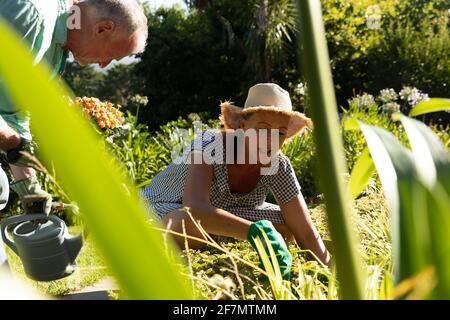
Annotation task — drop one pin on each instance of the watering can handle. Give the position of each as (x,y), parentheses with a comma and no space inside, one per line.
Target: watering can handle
(17,219)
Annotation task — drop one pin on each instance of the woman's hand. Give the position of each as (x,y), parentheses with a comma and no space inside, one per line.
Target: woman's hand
(298,220)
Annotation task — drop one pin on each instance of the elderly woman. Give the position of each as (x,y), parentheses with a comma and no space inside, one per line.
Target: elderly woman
(227,195)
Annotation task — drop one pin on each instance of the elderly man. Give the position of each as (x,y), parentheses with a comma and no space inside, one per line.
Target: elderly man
(95,31)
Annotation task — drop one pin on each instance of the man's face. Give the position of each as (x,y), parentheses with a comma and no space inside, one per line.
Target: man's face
(101,45)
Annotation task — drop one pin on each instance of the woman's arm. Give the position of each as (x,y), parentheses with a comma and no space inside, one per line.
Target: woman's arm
(196,198)
(298,220)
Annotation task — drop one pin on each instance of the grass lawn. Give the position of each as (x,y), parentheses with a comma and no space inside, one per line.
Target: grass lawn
(91,269)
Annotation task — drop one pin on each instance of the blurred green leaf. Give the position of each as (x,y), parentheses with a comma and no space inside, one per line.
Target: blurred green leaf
(433,167)
(429,154)
(112,211)
(439,222)
(362,172)
(331,165)
(406,199)
(432,105)
(416,184)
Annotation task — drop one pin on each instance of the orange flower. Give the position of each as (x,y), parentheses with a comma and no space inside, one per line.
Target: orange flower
(103,112)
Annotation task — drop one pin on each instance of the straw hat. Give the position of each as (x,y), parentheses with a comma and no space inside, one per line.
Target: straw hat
(265,97)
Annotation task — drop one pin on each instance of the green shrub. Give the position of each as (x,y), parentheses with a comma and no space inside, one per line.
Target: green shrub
(410,46)
(418,56)
(373,110)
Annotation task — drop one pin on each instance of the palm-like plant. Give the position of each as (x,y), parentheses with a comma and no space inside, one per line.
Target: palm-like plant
(269,34)
(263,29)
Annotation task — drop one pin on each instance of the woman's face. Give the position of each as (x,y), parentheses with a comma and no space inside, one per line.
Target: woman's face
(276,127)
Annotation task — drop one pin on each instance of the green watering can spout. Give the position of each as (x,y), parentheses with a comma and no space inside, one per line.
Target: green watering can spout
(73,245)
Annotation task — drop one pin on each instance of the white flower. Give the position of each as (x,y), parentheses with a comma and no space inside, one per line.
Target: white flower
(364,100)
(141,100)
(110,139)
(413,95)
(387,95)
(125,127)
(391,107)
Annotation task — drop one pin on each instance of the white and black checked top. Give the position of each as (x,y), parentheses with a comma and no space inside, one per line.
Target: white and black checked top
(165,192)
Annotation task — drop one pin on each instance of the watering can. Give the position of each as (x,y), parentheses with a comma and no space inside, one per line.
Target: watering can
(44,245)
(4,195)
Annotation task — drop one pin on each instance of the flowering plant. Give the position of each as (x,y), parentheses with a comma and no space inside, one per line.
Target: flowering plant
(413,95)
(103,113)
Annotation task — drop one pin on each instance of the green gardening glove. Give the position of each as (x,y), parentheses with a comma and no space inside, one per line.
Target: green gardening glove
(283,255)
(33,198)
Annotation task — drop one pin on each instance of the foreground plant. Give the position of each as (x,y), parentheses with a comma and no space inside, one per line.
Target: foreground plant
(316,64)
(137,257)
(417,186)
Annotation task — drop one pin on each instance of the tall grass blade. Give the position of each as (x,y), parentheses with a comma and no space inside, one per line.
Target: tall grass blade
(331,166)
(281,288)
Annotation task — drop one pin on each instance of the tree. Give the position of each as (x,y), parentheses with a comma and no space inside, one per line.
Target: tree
(263,29)
(84,81)
(188,67)
(118,84)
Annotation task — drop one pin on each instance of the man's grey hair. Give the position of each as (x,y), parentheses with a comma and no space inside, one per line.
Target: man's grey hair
(128,15)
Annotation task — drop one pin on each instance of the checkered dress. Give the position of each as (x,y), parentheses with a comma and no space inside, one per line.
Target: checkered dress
(165,192)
